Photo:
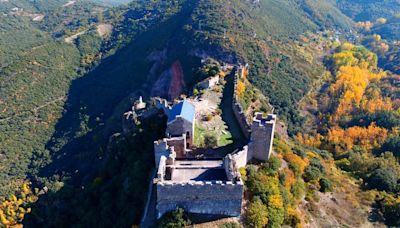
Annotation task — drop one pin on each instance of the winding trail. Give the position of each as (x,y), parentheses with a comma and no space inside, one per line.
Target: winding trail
(62,98)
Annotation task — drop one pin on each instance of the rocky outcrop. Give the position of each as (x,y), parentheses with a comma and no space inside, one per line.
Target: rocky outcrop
(171,82)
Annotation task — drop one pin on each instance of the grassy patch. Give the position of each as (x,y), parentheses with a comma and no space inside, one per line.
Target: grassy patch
(225,138)
(199,133)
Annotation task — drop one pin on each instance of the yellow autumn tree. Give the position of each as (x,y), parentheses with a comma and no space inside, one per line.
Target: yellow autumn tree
(377,37)
(14,208)
(275,201)
(344,58)
(240,88)
(365,25)
(349,88)
(381,20)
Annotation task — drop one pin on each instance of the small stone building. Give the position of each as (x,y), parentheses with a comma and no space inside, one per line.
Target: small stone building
(209,82)
(181,119)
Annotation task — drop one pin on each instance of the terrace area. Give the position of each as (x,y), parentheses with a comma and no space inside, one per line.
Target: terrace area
(198,170)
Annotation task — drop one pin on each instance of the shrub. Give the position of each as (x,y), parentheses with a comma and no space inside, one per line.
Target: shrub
(390,207)
(196,92)
(230,225)
(343,163)
(257,214)
(317,164)
(311,173)
(174,219)
(326,185)
(300,152)
(392,144)
(210,141)
(293,218)
(383,179)
(272,166)
(298,189)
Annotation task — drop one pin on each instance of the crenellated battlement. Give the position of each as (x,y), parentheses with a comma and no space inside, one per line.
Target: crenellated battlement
(260,120)
(200,183)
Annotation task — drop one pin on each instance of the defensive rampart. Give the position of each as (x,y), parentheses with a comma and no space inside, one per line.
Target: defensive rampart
(238,109)
(203,197)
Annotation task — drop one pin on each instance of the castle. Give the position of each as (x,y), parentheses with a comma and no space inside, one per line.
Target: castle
(211,186)
(207,186)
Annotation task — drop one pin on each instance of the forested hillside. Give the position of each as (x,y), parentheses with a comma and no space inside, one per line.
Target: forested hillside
(380,20)
(36,71)
(357,119)
(112,2)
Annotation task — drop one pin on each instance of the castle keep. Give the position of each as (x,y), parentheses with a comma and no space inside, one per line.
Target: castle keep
(206,186)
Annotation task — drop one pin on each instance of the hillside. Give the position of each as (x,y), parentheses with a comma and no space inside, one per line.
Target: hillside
(112,2)
(381,18)
(61,101)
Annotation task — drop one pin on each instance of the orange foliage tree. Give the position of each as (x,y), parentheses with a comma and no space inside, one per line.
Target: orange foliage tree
(295,163)
(308,140)
(345,139)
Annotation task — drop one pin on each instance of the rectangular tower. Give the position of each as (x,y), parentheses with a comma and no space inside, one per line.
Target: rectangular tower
(262,136)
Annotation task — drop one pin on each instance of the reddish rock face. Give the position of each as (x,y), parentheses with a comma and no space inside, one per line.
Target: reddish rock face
(177,82)
(171,82)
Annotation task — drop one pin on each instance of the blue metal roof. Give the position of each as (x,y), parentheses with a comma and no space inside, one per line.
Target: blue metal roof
(184,109)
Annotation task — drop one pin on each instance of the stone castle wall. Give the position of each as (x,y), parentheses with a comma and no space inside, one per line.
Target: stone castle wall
(262,136)
(179,126)
(179,145)
(239,158)
(161,149)
(203,197)
(238,110)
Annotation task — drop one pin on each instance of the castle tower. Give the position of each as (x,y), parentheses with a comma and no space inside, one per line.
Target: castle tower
(139,105)
(262,136)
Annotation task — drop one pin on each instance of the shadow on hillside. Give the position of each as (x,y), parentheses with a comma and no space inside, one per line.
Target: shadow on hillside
(92,113)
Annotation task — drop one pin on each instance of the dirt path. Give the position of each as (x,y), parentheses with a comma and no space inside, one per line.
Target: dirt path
(71,39)
(69,3)
(34,109)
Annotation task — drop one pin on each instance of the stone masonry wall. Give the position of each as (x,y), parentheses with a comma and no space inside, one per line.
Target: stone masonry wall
(262,136)
(238,110)
(204,197)
(179,144)
(180,126)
